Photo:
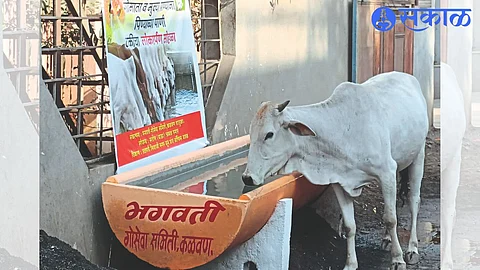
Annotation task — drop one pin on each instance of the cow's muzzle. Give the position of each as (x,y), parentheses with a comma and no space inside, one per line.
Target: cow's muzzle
(247,180)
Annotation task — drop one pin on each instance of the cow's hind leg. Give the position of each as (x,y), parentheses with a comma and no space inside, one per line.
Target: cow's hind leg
(403,176)
(450,180)
(346,205)
(386,241)
(415,175)
(389,187)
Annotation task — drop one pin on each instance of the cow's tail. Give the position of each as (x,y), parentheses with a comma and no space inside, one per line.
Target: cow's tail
(404,187)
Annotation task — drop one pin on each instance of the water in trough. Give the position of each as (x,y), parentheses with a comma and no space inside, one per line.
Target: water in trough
(222,178)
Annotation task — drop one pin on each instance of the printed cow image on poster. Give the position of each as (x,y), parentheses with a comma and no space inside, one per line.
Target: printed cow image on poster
(155,91)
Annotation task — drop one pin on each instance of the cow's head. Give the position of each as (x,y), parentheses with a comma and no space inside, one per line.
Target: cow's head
(273,141)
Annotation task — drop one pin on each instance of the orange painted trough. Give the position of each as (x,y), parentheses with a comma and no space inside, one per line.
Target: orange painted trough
(172,229)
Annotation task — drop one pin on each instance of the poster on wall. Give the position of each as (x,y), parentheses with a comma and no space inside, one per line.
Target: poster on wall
(154,83)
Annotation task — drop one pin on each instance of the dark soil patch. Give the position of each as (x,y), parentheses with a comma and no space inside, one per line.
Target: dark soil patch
(9,262)
(57,255)
(315,245)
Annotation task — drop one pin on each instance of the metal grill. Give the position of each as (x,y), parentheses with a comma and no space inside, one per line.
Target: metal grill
(209,43)
(20,52)
(74,67)
(74,70)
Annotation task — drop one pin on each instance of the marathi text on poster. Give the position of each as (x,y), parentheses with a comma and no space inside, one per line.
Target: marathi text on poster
(149,140)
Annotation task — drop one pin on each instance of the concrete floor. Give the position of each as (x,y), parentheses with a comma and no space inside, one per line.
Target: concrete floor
(466,239)
(476,109)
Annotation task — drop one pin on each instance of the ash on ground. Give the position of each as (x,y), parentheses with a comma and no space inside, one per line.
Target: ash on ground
(57,255)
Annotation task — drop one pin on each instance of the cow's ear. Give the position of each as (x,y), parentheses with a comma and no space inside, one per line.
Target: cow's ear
(300,129)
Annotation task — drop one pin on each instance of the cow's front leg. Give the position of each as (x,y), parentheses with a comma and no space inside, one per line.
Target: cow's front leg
(389,187)
(346,205)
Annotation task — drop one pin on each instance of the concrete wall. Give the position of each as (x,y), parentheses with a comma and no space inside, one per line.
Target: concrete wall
(476,46)
(71,206)
(459,53)
(228,26)
(298,51)
(423,64)
(18,176)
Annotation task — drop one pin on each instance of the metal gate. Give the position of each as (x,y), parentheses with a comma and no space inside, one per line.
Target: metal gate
(19,37)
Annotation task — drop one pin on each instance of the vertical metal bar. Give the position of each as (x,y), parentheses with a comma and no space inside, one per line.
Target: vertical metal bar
(21,23)
(382,50)
(219,21)
(354,41)
(56,74)
(203,48)
(16,53)
(103,91)
(18,76)
(57,42)
(80,73)
(57,25)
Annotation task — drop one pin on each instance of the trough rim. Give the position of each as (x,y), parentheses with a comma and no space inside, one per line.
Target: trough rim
(203,155)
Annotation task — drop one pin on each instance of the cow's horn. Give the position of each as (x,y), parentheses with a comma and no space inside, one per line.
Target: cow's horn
(281,107)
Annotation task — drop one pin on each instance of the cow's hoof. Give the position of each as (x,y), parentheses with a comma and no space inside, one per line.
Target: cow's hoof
(399,266)
(386,244)
(412,257)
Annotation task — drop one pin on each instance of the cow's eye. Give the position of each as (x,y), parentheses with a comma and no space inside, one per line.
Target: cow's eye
(269,135)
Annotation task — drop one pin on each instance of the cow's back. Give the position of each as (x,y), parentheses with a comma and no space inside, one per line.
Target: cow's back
(388,113)
(453,121)
(402,112)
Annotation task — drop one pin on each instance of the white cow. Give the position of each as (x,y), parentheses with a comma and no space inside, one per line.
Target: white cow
(170,72)
(167,74)
(152,70)
(126,98)
(156,66)
(453,124)
(362,133)
(162,75)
